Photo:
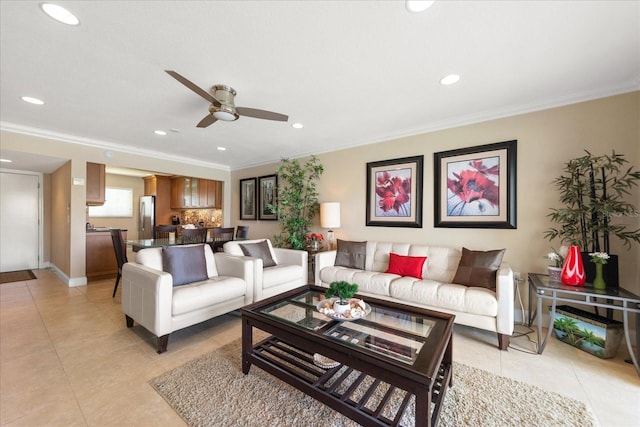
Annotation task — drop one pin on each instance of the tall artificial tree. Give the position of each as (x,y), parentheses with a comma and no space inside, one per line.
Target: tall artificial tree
(297,200)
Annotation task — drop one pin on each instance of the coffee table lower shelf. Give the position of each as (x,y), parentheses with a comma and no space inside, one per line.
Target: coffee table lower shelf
(361,397)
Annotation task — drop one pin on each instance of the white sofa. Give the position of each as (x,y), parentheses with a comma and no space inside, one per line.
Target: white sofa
(473,306)
(291,269)
(150,298)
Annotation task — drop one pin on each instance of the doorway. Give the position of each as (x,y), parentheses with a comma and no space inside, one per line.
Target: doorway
(20,225)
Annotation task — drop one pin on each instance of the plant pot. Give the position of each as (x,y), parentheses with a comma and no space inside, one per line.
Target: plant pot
(554,273)
(341,307)
(609,270)
(314,245)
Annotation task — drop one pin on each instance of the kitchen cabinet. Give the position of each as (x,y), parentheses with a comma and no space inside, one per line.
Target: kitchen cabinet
(95,184)
(100,256)
(195,193)
(160,187)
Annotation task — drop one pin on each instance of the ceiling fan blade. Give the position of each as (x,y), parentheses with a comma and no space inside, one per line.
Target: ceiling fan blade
(203,93)
(261,114)
(207,121)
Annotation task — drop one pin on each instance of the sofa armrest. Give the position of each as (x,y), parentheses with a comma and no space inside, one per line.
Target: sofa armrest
(323,259)
(241,267)
(147,296)
(505,296)
(294,257)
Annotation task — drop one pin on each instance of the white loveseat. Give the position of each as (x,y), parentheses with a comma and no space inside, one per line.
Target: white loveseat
(290,271)
(479,307)
(150,298)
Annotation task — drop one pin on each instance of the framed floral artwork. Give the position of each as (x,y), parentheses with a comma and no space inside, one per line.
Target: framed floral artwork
(267,187)
(248,198)
(475,187)
(394,192)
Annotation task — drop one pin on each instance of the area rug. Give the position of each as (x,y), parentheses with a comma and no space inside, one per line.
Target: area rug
(17,276)
(212,390)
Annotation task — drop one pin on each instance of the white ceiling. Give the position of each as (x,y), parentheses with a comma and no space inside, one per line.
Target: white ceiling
(353,72)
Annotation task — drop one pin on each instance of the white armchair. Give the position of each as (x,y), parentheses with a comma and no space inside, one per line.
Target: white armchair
(150,298)
(289,270)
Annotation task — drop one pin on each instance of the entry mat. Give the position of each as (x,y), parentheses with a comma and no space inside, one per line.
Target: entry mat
(17,276)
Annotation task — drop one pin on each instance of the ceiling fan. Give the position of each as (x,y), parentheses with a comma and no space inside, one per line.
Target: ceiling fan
(222,105)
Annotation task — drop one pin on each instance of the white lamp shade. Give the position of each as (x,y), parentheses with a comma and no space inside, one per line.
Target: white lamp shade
(330,215)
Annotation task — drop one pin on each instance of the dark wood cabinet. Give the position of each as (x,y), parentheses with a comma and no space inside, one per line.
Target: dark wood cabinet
(100,256)
(195,193)
(160,187)
(95,184)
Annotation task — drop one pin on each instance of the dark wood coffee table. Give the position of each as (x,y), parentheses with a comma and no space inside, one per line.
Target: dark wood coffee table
(395,354)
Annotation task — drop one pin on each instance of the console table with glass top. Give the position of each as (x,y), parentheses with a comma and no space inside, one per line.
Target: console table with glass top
(609,298)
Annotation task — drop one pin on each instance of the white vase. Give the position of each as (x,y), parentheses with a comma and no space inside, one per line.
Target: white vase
(341,308)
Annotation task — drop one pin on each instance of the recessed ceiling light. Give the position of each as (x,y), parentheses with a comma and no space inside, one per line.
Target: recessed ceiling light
(6,160)
(450,79)
(160,132)
(60,14)
(297,125)
(32,100)
(416,6)
(222,149)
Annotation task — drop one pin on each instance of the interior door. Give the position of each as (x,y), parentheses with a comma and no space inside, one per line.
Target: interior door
(19,221)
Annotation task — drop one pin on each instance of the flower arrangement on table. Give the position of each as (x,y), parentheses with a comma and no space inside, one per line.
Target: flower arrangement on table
(558,256)
(599,257)
(313,237)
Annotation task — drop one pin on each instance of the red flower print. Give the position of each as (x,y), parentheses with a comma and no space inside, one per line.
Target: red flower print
(394,193)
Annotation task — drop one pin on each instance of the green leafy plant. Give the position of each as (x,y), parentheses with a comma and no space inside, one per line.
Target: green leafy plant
(297,200)
(344,290)
(591,191)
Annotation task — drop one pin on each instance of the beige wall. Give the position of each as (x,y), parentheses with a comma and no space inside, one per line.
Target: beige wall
(60,214)
(546,139)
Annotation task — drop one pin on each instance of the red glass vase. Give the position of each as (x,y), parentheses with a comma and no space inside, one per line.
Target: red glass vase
(573,273)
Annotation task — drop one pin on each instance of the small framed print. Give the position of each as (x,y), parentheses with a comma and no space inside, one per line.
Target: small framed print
(267,187)
(248,199)
(475,187)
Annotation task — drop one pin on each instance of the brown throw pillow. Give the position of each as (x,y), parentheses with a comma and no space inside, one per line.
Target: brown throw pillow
(478,268)
(186,264)
(351,254)
(259,250)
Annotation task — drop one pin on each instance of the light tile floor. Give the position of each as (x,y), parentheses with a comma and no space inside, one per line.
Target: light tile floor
(67,359)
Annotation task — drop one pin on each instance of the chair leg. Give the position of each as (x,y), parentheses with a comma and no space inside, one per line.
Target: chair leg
(115,288)
(162,343)
(503,341)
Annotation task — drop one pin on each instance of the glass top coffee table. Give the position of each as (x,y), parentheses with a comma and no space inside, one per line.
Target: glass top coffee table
(388,368)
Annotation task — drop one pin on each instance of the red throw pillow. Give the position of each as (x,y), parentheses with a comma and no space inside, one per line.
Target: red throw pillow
(406,265)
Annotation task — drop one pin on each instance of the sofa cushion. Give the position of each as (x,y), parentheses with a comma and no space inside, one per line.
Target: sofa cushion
(406,265)
(259,250)
(478,268)
(203,295)
(280,274)
(351,254)
(186,264)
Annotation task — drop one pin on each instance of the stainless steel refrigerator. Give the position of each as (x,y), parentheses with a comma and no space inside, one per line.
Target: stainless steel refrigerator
(147,219)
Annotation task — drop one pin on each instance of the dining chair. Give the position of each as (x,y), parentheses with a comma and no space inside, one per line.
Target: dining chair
(162,231)
(221,235)
(242,232)
(120,250)
(193,235)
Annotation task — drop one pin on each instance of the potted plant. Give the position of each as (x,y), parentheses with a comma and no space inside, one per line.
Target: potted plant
(591,191)
(558,259)
(344,291)
(297,200)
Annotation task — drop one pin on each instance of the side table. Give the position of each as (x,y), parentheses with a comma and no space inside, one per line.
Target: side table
(610,298)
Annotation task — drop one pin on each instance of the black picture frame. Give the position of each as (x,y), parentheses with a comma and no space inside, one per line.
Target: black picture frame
(267,193)
(394,192)
(248,199)
(475,187)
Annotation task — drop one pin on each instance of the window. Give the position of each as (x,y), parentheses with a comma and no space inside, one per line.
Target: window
(119,203)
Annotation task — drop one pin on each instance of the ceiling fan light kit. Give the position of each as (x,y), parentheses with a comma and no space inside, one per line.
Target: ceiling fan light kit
(222,104)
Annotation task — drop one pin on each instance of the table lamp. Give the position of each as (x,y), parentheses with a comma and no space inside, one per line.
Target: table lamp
(330,218)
